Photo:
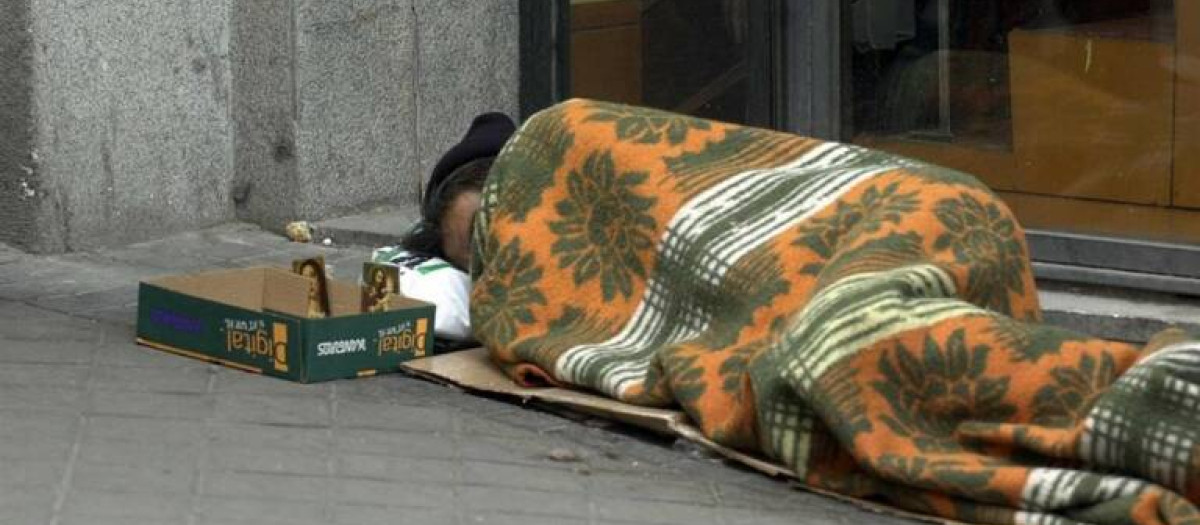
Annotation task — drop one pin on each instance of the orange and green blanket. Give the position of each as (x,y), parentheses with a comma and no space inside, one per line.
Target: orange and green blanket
(868,320)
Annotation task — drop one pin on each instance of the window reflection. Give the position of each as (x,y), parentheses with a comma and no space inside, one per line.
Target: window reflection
(1078,111)
(687,56)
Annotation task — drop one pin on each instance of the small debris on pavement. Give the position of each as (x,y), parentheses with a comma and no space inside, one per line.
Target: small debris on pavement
(299,231)
(327,242)
(565,455)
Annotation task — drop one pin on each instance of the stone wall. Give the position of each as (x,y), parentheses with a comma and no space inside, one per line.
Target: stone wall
(123,120)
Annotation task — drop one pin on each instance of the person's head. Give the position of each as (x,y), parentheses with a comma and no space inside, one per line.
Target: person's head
(449,212)
(452,196)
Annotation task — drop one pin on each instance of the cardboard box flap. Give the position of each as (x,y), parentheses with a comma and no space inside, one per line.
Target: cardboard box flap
(345,298)
(400,302)
(285,292)
(242,288)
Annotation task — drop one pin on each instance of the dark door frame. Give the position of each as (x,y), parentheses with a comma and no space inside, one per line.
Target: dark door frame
(545,49)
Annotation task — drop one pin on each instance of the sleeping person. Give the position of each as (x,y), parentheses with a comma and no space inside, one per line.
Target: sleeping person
(870,322)
(433,256)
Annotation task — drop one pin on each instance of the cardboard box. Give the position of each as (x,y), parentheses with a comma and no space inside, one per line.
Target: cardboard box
(255,319)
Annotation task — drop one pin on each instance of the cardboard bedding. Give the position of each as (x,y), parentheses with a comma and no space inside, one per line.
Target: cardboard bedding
(472,370)
(868,322)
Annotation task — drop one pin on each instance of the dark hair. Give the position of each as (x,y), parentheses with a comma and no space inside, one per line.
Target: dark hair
(425,237)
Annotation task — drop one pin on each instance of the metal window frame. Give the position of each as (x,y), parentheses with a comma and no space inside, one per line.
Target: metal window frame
(1126,263)
(545,49)
(815,68)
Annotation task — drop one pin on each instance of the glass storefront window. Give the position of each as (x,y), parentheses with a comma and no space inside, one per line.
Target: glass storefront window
(688,56)
(1082,114)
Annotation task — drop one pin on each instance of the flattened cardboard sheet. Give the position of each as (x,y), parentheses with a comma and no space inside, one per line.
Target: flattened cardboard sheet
(473,370)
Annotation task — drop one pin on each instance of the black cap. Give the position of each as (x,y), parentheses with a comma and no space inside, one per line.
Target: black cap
(485,138)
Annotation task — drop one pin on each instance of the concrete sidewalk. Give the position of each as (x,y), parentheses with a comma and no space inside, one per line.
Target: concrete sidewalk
(96,430)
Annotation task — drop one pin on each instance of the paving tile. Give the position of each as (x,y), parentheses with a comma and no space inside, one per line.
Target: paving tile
(282,487)
(352,514)
(139,429)
(145,454)
(411,470)
(267,460)
(492,518)
(134,506)
(49,448)
(26,504)
(91,519)
(64,375)
(385,416)
(171,254)
(813,516)
(540,478)
(127,353)
(25,471)
(170,405)
(513,501)
(303,440)
(393,443)
(654,512)
(30,423)
(184,380)
(306,411)
(229,381)
(394,493)
(52,399)
(82,303)
(125,315)
(132,478)
(657,488)
(33,266)
(257,508)
(531,452)
(16,349)
(492,426)
(261,519)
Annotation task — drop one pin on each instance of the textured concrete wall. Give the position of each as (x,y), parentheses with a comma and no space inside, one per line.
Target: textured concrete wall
(132,113)
(373,92)
(122,120)
(354,77)
(18,169)
(264,110)
(468,64)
